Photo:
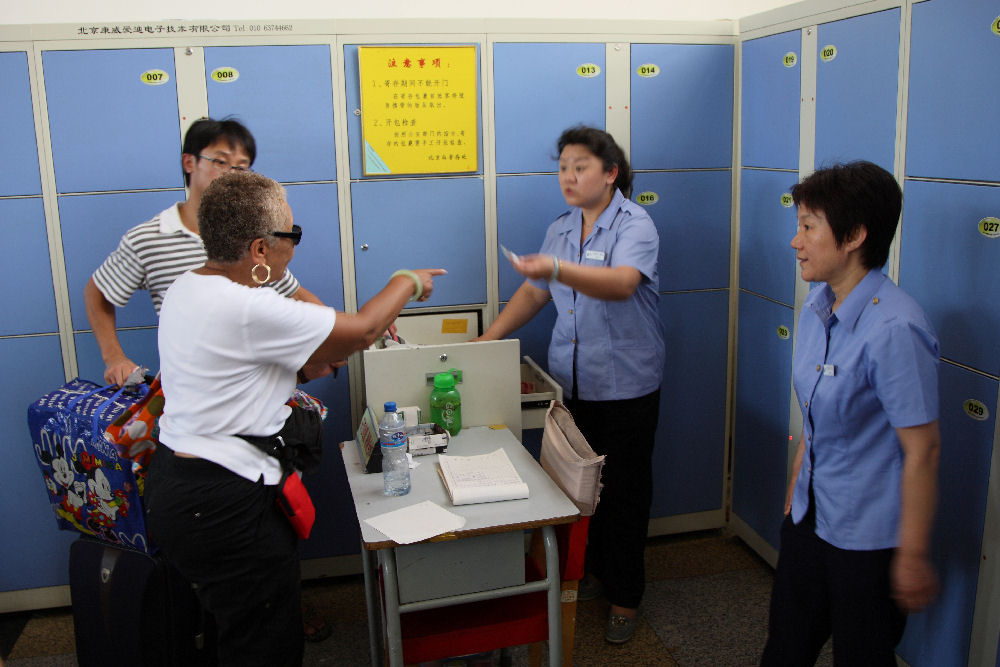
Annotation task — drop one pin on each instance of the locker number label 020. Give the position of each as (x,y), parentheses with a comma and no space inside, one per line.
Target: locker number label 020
(990,227)
(154,77)
(588,70)
(225,74)
(648,70)
(828,53)
(976,409)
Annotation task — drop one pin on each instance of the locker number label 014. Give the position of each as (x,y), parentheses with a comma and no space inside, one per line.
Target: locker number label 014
(225,74)
(588,70)
(789,59)
(990,227)
(648,70)
(647,198)
(154,77)
(976,409)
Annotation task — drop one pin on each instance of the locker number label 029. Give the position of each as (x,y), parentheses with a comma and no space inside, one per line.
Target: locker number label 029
(588,70)
(647,198)
(225,74)
(976,409)
(789,59)
(990,227)
(784,333)
(828,53)
(648,70)
(154,77)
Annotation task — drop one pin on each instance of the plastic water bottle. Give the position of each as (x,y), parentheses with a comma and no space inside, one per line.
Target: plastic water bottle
(395,465)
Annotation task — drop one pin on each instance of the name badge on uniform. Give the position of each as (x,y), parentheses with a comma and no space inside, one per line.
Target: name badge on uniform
(829,369)
(594,254)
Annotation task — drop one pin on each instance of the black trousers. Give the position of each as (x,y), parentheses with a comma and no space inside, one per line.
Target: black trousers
(821,590)
(226,535)
(623,431)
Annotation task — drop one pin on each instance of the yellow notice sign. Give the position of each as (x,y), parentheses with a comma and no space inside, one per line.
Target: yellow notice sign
(419,109)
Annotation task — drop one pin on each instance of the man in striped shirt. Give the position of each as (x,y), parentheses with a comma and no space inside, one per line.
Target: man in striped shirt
(152,255)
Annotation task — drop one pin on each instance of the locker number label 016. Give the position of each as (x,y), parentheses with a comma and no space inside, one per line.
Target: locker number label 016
(225,74)
(588,70)
(990,227)
(647,198)
(648,70)
(976,409)
(154,77)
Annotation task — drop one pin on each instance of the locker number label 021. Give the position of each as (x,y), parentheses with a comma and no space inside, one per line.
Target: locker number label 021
(828,53)
(976,409)
(648,70)
(588,70)
(789,59)
(225,74)
(990,227)
(786,200)
(647,198)
(154,77)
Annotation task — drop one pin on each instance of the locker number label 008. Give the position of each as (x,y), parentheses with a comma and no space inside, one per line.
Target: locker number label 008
(225,74)
(588,70)
(789,59)
(990,227)
(154,77)
(976,409)
(647,198)
(648,70)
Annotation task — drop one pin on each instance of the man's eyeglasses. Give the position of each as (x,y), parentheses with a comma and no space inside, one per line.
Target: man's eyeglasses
(222,165)
(295,235)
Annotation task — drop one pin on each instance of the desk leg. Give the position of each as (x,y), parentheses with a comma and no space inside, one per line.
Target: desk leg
(393,631)
(555,611)
(372,605)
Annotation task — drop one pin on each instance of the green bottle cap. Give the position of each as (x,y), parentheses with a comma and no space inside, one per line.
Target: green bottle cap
(444,381)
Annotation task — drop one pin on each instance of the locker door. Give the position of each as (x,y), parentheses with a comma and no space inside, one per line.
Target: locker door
(423,223)
(539,91)
(113,119)
(940,635)
(682,106)
(18,149)
(284,95)
(692,212)
(948,264)
(857,70)
(526,206)
(760,437)
(688,460)
(30,306)
(139,344)
(767,225)
(770,106)
(954,78)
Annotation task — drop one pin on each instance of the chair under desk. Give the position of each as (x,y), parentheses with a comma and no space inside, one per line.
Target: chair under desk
(475,560)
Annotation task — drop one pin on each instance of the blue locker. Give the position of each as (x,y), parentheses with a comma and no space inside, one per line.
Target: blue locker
(317,261)
(536,335)
(760,435)
(139,344)
(34,552)
(18,148)
(526,206)
(767,260)
(940,635)
(426,223)
(692,213)
(539,91)
(949,266)
(951,124)
(92,227)
(284,95)
(30,306)
(856,76)
(770,106)
(113,119)
(354,139)
(689,458)
(683,116)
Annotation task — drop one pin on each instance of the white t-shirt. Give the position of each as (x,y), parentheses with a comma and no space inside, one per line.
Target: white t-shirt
(228,359)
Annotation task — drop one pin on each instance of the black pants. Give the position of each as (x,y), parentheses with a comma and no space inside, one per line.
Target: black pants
(226,535)
(623,431)
(821,590)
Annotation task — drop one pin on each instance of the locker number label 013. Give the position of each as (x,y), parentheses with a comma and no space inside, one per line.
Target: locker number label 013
(225,74)
(976,409)
(647,198)
(990,227)
(648,70)
(154,77)
(784,333)
(828,53)
(789,59)
(588,70)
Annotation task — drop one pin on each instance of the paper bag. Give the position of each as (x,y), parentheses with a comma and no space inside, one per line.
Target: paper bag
(569,460)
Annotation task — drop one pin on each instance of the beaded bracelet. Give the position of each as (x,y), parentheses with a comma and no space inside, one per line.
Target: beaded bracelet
(417,282)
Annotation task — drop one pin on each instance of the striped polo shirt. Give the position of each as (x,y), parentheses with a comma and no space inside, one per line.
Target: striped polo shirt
(152,255)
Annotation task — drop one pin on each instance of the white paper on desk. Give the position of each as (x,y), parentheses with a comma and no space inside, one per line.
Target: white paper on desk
(416,522)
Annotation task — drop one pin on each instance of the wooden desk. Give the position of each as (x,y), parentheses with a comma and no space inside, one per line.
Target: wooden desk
(547,506)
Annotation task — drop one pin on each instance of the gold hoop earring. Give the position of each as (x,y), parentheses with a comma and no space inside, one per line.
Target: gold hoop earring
(253,274)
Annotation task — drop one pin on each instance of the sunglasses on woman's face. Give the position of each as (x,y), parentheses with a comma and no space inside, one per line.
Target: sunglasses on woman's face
(295,235)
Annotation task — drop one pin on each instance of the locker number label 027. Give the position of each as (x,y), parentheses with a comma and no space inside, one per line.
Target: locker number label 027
(990,227)
(648,70)
(154,77)
(976,409)
(588,70)
(225,74)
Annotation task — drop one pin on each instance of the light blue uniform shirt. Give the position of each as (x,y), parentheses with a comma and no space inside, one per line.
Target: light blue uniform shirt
(618,345)
(860,373)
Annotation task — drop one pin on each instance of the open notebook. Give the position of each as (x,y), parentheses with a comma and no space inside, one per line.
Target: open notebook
(485,478)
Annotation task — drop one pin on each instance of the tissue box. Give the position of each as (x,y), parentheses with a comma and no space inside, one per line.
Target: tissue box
(428,439)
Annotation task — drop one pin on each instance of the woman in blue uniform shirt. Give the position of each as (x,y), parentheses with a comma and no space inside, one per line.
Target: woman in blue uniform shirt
(860,503)
(598,265)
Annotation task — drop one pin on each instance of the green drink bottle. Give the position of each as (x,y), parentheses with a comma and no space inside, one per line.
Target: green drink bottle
(446,404)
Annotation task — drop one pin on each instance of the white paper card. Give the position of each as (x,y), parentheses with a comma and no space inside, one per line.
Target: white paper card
(416,522)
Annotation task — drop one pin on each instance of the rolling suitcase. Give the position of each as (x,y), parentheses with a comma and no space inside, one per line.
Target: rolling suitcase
(133,609)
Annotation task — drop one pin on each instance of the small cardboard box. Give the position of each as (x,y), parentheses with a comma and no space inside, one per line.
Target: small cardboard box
(428,439)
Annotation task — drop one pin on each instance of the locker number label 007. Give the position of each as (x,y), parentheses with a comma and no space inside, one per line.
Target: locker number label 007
(225,74)
(154,77)
(990,227)
(588,70)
